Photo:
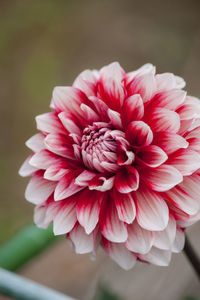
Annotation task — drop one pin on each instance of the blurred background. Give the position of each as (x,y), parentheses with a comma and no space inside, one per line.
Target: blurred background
(44,43)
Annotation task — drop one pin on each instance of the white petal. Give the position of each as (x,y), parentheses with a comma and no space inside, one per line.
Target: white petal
(120,254)
(39,189)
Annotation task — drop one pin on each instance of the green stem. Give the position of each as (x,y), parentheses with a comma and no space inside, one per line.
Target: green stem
(26,244)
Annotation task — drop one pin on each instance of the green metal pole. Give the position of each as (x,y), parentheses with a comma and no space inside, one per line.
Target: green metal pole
(20,288)
(26,244)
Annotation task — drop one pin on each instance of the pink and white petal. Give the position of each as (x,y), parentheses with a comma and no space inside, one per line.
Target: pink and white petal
(164,239)
(67,187)
(86,82)
(168,81)
(65,218)
(179,241)
(139,240)
(101,183)
(127,180)
(84,178)
(165,81)
(55,172)
(163,119)
(171,99)
(120,254)
(152,156)
(125,206)
(88,209)
(89,114)
(194,133)
(125,157)
(189,110)
(49,123)
(115,118)
(36,142)
(59,144)
(170,142)
(145,85)
(69,122)
(68,99)
(111,227)
(26,169)
(152,210)
(194,144)
(133,109)
(186,161)
(39,189)
(162,178)
(183,200)
(39,217)
(101,108)
(43,159)
(139,134)
(157,257)
(82,242)
(111,87)
(146,68)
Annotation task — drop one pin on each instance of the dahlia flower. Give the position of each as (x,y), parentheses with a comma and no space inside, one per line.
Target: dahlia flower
(116,163)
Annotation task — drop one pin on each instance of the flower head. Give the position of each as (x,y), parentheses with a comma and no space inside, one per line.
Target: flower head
(117,163)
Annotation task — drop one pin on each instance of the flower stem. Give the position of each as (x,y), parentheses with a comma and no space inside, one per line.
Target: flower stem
(192,256)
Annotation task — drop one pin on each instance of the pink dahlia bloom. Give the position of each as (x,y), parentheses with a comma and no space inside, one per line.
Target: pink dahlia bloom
(117,163)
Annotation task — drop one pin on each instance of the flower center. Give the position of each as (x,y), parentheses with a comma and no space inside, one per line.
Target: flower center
(99,147)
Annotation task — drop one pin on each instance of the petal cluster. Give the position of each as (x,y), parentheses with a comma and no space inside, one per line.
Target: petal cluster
(117,163)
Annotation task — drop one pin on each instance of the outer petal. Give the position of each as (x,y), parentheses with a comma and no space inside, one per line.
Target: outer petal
(44,159)
(83,243)
(125,207)
(111,227)
(152,156)
(139,134)
(170,142)
(127,180)
(39,189)
(162,119)
(162,178)
(120,254)
(26,169)
(86,82)
(157,257)
(185,195)
(139,240)
(65,218)
(179,241)
(88,208)
(66,187)
(152,210)
(36,142)
(111,87)
(145,85)
(186,161)
(171,99)
(49,123)
(59,144)
(168,81)
(164,239)
(68,99)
